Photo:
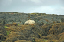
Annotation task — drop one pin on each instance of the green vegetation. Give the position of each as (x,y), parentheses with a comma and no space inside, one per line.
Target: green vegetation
(44,40)
(60,38)
(8,32)
(38,13)
(33,13)
(3,41)
(33,39)
(53,41)
(5,27)
(18,24)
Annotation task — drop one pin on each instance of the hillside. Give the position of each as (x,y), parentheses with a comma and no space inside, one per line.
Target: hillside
(10,17)
(48,28)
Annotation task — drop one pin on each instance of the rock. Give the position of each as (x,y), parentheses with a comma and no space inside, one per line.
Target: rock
(20,23)
(13,36)
(2,30)
(2,33)
(10,22)
(57,29)
(2,37)
(46,29)
(52,37)
(61,36)
(0,41)
(62,19)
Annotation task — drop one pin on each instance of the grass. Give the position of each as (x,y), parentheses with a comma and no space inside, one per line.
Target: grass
(18,24)
(8,32)
(5,27)
(3,41)
(44,40)
(60,38)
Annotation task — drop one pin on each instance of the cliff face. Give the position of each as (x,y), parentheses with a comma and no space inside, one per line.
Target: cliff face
(10,17)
